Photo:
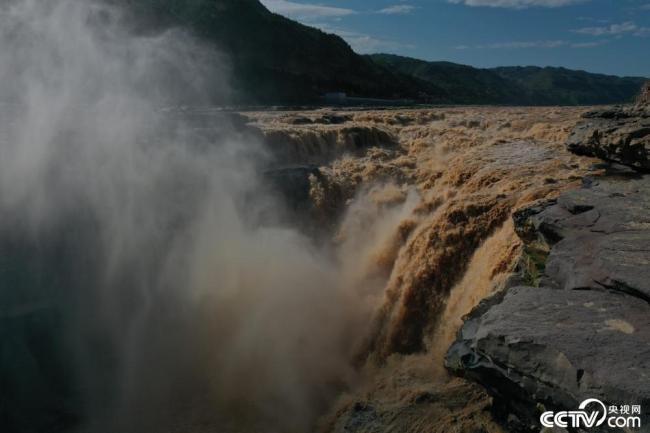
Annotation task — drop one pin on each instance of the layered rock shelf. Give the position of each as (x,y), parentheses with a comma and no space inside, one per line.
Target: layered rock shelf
(618,134)
(575,323)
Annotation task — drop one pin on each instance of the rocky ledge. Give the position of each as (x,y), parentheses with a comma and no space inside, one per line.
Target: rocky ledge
(618,134)
(585,331)
(576,323)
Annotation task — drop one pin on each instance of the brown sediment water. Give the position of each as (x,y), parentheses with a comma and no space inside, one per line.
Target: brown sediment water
(467,170)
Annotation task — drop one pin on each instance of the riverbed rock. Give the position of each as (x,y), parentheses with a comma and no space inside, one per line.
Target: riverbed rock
(585,332)
(541,347)
(618,134)
(601,237)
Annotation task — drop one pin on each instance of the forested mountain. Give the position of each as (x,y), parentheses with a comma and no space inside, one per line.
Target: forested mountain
(278,61)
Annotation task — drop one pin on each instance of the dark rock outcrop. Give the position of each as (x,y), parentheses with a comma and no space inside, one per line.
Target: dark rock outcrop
(604,234)
(618,134)
(556,348)
(585,332)
(644,96)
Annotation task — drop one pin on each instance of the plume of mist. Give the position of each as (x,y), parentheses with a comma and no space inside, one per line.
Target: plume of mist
(130,228)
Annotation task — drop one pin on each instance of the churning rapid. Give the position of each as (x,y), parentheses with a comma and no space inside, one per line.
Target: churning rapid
(159,267)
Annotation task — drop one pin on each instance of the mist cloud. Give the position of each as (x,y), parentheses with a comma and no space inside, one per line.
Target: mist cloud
(135,226)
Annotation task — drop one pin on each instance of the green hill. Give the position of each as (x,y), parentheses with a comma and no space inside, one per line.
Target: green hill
(528,85)
(568,87)
(462,84)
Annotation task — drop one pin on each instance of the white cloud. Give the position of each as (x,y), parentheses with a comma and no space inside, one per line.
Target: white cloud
(322,18)
(588,44)
(398,10)
(517,45)
(305,11)
(533,44)
(594,20)
(530,44)
(366,44)
(363,43)
(518,4)
(628,27)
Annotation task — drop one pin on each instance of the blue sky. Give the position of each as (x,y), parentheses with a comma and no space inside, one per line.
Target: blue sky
(606,36)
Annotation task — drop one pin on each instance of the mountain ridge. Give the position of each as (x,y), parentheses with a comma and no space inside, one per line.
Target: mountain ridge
(276,60)
(518,85)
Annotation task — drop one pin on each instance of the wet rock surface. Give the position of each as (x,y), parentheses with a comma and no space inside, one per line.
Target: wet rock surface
(585,332)
(618,134)
(605,237)
(556,348)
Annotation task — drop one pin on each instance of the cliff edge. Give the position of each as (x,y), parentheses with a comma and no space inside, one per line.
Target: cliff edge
(580,326)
